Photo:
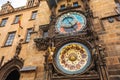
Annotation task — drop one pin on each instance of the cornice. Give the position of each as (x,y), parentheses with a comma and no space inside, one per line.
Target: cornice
(19,9)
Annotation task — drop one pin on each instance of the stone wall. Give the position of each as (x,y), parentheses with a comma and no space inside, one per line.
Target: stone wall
(109,35)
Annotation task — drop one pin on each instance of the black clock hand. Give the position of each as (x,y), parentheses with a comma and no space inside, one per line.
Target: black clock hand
(69,22)
(74,27)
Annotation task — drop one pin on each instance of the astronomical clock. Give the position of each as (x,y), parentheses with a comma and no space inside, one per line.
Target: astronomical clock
(73,57)
(71,51)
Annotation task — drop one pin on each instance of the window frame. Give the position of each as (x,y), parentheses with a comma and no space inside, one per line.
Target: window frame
(16,22)
(2,22)
(62,7)
(116,1)
(7,39)
(44,33)
(75,4)
(33,12)
(27,33)
(110,19)
(117,18)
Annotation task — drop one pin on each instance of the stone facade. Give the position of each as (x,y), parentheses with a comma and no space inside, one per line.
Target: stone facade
(33,60)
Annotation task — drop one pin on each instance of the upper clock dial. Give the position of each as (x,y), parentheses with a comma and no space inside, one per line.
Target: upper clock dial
(70,22)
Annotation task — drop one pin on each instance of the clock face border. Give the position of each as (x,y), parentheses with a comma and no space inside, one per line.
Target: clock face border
(59,66)
(79,25)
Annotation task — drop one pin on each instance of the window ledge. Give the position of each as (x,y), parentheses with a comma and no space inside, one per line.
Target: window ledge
(76,6)
(2,26)
(33,32)
(31,19)
(60,10)
(14,23)
(6,46)
(25,42)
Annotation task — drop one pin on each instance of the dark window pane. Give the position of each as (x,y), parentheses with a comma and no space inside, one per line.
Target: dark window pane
(62,7)
(116,1)
(45,34)
(110,19)
(10,39)
(118,10)
(118,18)
(117,6)
(28,34)
(75,4)
(17,19)
(3,22)
(34,15)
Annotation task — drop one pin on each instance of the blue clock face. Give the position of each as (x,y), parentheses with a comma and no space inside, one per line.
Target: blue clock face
(70,22)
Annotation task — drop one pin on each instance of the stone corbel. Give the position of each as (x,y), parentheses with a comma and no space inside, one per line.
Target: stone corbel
(42,43)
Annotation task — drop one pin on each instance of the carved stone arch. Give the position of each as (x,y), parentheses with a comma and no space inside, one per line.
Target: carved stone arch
(13,64)
(9,71)
(69,39)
